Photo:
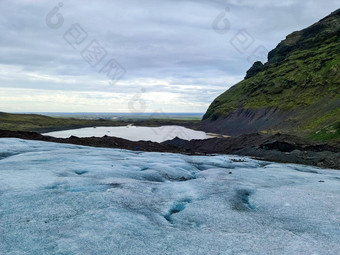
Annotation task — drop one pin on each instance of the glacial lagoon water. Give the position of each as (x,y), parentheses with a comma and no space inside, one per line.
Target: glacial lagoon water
(68,199)
(133,133)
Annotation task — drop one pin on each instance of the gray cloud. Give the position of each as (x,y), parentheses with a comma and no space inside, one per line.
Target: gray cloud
(166,46)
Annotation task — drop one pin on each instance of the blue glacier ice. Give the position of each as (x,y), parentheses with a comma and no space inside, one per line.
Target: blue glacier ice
(68,199)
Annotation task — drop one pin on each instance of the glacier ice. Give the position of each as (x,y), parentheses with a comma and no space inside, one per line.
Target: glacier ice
(68,199)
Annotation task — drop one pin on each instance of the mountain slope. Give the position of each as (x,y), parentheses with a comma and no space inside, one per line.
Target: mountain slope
(296,91)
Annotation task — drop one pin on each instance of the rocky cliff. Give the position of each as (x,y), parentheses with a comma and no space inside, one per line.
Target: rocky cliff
(296,91)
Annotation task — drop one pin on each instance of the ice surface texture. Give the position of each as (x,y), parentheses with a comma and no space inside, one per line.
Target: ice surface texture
(67,199)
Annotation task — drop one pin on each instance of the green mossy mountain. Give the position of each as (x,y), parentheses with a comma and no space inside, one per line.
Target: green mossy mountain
(296,91)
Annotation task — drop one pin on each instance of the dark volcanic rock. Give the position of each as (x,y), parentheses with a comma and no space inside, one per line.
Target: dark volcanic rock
(246,121)
(278,148)
(255,69)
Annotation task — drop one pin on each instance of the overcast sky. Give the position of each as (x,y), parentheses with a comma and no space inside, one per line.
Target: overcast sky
(168,55)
